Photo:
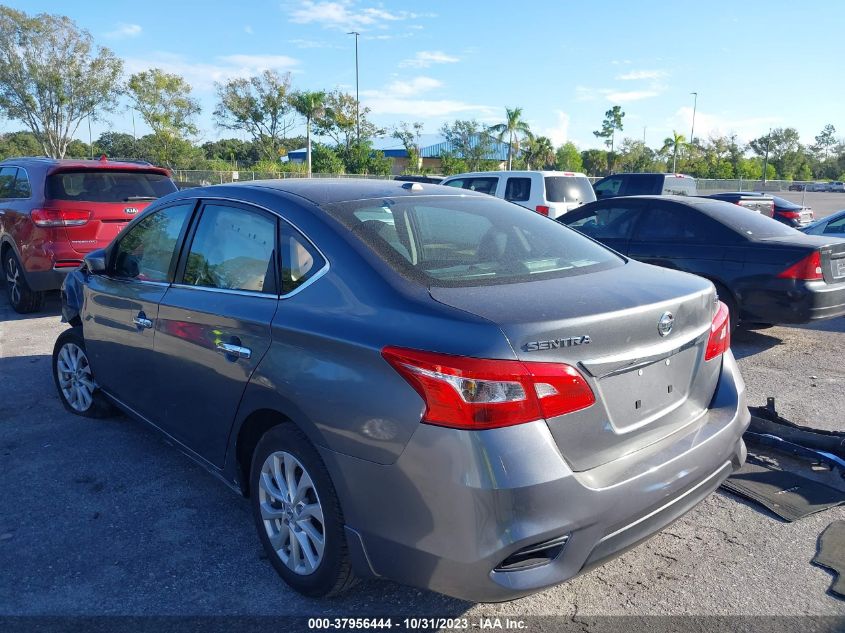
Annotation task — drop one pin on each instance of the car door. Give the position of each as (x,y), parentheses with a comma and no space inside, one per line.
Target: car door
(214,323)
(610,222)
(121,305)
(677,236)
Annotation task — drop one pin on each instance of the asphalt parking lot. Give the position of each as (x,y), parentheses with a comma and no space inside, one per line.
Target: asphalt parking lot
(104,518)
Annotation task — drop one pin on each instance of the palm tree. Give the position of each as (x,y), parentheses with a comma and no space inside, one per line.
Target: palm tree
(539,152)
(674,143)
(311,105)
(514,127)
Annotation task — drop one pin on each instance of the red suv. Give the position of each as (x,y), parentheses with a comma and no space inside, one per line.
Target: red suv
(53,212)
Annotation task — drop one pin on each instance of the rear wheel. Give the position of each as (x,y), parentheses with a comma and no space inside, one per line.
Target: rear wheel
(298,515)
(21,297)
(74,379)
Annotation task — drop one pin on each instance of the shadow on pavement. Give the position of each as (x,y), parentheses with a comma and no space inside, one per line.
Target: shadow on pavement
(52,307)
(745,342)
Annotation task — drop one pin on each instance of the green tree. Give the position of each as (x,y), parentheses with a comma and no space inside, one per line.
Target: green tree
(568,158)
(116,145)
(19,144)
(672,145)
(164,102)
(339,123)
(259,106)
(51,77)
(612,123)
(595,162)
(636,156)
(784,149)
(311,105)
(539,153)
(325,160)
(514,127)
(409,134)
(234,151)
(468,141)
(452,164)
(825,140)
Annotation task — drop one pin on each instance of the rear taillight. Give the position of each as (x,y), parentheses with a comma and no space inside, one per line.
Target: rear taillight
(790,215)
(808,269)
(720,333)
(59,217)
(475,393)
(542,209)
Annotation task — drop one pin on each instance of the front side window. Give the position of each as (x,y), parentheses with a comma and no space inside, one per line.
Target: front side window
(233,249)
(457,182)
(445,241)
(518,189)
(836,227)
(108,185)
(145,252)
(608,186)
(610,222)
(482,185)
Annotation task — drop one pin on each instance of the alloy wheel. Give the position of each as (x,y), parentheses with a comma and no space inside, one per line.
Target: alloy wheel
(75,378)
(13,275)
(291,512)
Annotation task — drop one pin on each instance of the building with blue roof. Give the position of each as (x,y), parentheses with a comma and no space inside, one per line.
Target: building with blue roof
(432,147)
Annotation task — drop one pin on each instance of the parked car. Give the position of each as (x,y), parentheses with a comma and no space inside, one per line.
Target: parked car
(797,187)
(52,212)
(644,184)
(550,193)
(832,225)
(389,372)
(817,186)
(836,186)
(764,271)
(780,209)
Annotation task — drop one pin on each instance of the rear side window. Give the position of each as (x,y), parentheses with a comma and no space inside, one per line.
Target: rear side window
(300,260)
(145,252)
(233,249)
(836,227)
(673,185)
(22,187)
(671,223)
(7,181)
(745,222)
(569,189)
(446,241)
(518,189)
(611,222)
(108,186)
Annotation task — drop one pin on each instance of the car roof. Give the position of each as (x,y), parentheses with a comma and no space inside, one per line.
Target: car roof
(323,191)
(517,172)
(70,163)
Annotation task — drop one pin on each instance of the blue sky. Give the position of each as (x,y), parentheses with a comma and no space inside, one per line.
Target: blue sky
(754,65)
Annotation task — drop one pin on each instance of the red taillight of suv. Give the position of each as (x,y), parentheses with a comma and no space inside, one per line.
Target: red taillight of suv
(720,333)
(474,393)
(59,217)
(542,209)
(808,269)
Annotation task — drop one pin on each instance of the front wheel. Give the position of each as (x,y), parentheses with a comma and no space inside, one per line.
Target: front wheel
(298,515)
(74,378)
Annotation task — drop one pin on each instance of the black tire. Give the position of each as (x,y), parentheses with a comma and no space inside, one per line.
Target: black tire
(333,574)
(99,406)
(22,298)
(726,297)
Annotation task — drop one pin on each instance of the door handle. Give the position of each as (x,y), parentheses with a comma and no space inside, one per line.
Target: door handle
(234,350)
(141,321)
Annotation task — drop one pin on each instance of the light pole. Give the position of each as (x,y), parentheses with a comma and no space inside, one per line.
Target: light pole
(357,99)
(766,159)
(694,107)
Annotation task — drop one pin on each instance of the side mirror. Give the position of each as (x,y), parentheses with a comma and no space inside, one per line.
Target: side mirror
(95,261)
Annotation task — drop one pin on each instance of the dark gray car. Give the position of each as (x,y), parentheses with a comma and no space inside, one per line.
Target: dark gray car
(431,386)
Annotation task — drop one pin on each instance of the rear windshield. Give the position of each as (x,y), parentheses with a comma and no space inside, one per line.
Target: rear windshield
(679,186)
(748,223)
(108,186)
(785,204)
(447,241)
(569,189)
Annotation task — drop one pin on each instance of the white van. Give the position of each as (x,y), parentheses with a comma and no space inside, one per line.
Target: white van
(551,193)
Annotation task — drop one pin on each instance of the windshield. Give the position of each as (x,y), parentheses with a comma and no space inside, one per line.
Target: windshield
(569,189)
(467,241)
(108,185)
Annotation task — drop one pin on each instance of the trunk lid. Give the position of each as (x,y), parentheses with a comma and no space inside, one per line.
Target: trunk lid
(831,250)
(605,324)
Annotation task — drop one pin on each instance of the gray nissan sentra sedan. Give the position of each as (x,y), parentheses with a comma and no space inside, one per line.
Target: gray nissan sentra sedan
(436,387)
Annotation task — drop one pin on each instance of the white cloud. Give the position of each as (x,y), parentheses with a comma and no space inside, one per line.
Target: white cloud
(300,43)
(558,134)
(630,95)
(707,124)
(344,14)
(421,108)
(202,75)
(248,30)
(642,74)
(582,93)
(424,59)
(412,87)
(125,30)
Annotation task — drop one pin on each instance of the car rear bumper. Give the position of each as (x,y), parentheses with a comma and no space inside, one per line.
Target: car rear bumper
(801,302)
(456,504)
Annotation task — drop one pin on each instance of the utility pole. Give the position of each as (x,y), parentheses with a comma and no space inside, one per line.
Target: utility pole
(134,137)
(357,99)
(766,159)
(694,108)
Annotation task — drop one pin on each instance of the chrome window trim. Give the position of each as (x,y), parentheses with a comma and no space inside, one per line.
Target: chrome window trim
(228,291)
(317,275)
